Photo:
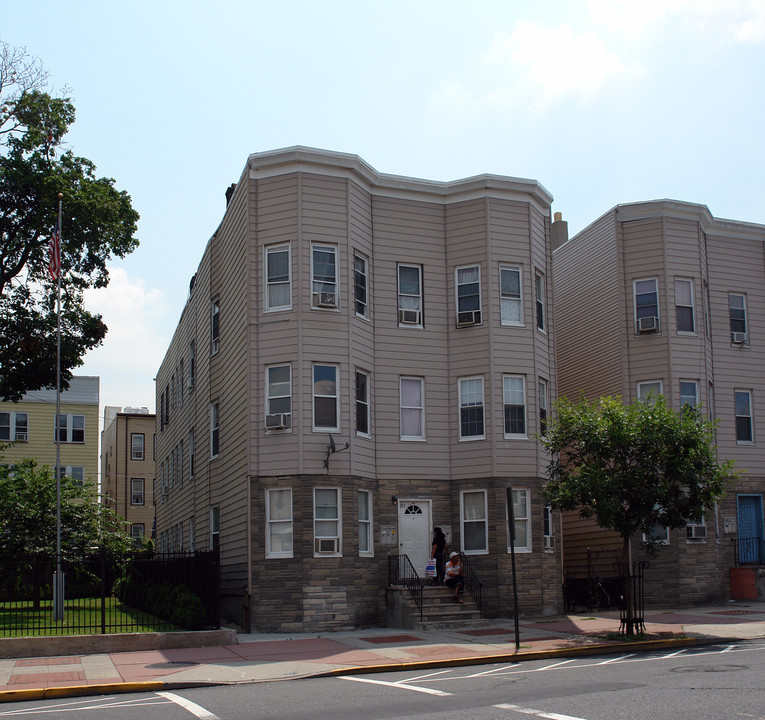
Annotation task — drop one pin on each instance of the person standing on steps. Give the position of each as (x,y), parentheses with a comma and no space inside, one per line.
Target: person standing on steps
(454,576)
(438,552)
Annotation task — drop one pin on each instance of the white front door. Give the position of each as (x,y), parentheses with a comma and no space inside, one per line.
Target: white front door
(414,532)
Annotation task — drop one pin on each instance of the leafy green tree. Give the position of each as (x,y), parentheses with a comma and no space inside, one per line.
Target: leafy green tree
(98,221)
(633,467)
(28,519)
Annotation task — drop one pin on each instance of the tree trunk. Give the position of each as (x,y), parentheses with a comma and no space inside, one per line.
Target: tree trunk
(628,623)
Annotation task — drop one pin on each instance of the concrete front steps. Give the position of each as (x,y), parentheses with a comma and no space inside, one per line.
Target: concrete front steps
(438,609)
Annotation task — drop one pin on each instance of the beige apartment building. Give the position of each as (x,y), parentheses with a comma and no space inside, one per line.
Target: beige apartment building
(361,357)
(28,429)
(127,467)
(663,297)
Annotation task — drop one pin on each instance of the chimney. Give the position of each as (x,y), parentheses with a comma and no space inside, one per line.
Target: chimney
(559,231)
(229,192)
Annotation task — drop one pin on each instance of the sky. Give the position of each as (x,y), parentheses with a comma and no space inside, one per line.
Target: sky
(601,101)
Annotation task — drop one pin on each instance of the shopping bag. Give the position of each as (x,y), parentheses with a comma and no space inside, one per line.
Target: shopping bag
(430,568)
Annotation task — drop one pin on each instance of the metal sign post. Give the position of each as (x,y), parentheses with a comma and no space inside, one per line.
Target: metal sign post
(511,524)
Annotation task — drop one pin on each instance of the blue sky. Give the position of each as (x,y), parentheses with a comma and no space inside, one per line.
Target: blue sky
(602,101)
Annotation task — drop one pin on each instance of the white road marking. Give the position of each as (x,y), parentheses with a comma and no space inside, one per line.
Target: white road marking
(192,707)
(616,659)
(537,713)
(554,665)
(403,685)
(425,677)
(491,672)
(728,649)
(674,654)
(89,704)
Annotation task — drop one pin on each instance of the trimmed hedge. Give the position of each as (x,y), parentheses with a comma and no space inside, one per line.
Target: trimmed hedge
(175,603)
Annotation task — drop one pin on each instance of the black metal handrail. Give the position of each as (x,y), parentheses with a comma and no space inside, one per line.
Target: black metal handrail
(402,572)
(749,550)
(473,583)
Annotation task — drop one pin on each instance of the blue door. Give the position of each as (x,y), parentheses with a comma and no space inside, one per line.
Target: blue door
(750,526)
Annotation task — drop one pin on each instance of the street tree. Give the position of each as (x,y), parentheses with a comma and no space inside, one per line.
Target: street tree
(99,223)
(633,467)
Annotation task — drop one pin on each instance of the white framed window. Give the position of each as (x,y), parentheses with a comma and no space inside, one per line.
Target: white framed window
(279,532)
(76,472)
(744,419)
(542,401)
(14,427)
(474,522)
(327,521)
(324,287)
(214,430)
(646,299)
(468,293)
(366,545)
(360,286)
(648,388)
(658,534)
(214,527)
(410,295)
(192,366)
(471,408)
(514,400)
(192,540)
(137,449)
(689,393)
(180,463)
(362,403)
(540,300)
(278,287)
(522,520)
(325,397)
(696,530)
(191,454)
(511,298)
(71,428)
(412,408)
(548,529)
(214,328)
(180,383)
(684,306)
(137,491)
(278,397)
(137,531)
(739,330)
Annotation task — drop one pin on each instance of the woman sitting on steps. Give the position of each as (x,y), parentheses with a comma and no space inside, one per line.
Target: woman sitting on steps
(454,577)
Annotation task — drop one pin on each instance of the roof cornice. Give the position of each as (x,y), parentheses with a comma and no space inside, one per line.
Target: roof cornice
(304,159)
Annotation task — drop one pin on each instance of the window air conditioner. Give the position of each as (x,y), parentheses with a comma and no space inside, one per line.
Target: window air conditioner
(648,324)
(549,542)
(325,299)
(738,338)
(696,532)
(327,545)
(409,317)
(278,421)
(468,318)
(22,437)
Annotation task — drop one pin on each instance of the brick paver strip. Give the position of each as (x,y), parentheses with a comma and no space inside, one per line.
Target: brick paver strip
(392,639)
(45,679)
(36,662)
(736,612)
(487,631)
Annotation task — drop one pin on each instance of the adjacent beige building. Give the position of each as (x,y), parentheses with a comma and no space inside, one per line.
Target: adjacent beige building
(28,427)
(127,467)
(663,297)
(361,357)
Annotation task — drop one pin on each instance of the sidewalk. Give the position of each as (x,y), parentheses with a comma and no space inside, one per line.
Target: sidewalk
(264,657)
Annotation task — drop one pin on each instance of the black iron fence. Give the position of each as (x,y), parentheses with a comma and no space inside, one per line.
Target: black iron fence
(402,572)
(632,612)
(96,593)
(749,550)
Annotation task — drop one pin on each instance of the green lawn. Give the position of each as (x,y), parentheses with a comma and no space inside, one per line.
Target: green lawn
(82,616)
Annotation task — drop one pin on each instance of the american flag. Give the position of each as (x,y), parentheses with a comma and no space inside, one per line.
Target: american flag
(54,254)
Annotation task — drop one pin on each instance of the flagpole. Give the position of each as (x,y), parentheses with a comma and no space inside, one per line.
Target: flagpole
(58,585)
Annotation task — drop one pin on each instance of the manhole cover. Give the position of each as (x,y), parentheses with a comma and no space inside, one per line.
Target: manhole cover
(172,664)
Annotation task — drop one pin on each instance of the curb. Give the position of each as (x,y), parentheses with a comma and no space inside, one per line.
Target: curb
(157,685)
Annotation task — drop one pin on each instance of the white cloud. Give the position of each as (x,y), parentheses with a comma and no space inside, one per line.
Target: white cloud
(135,343)
(530,69)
